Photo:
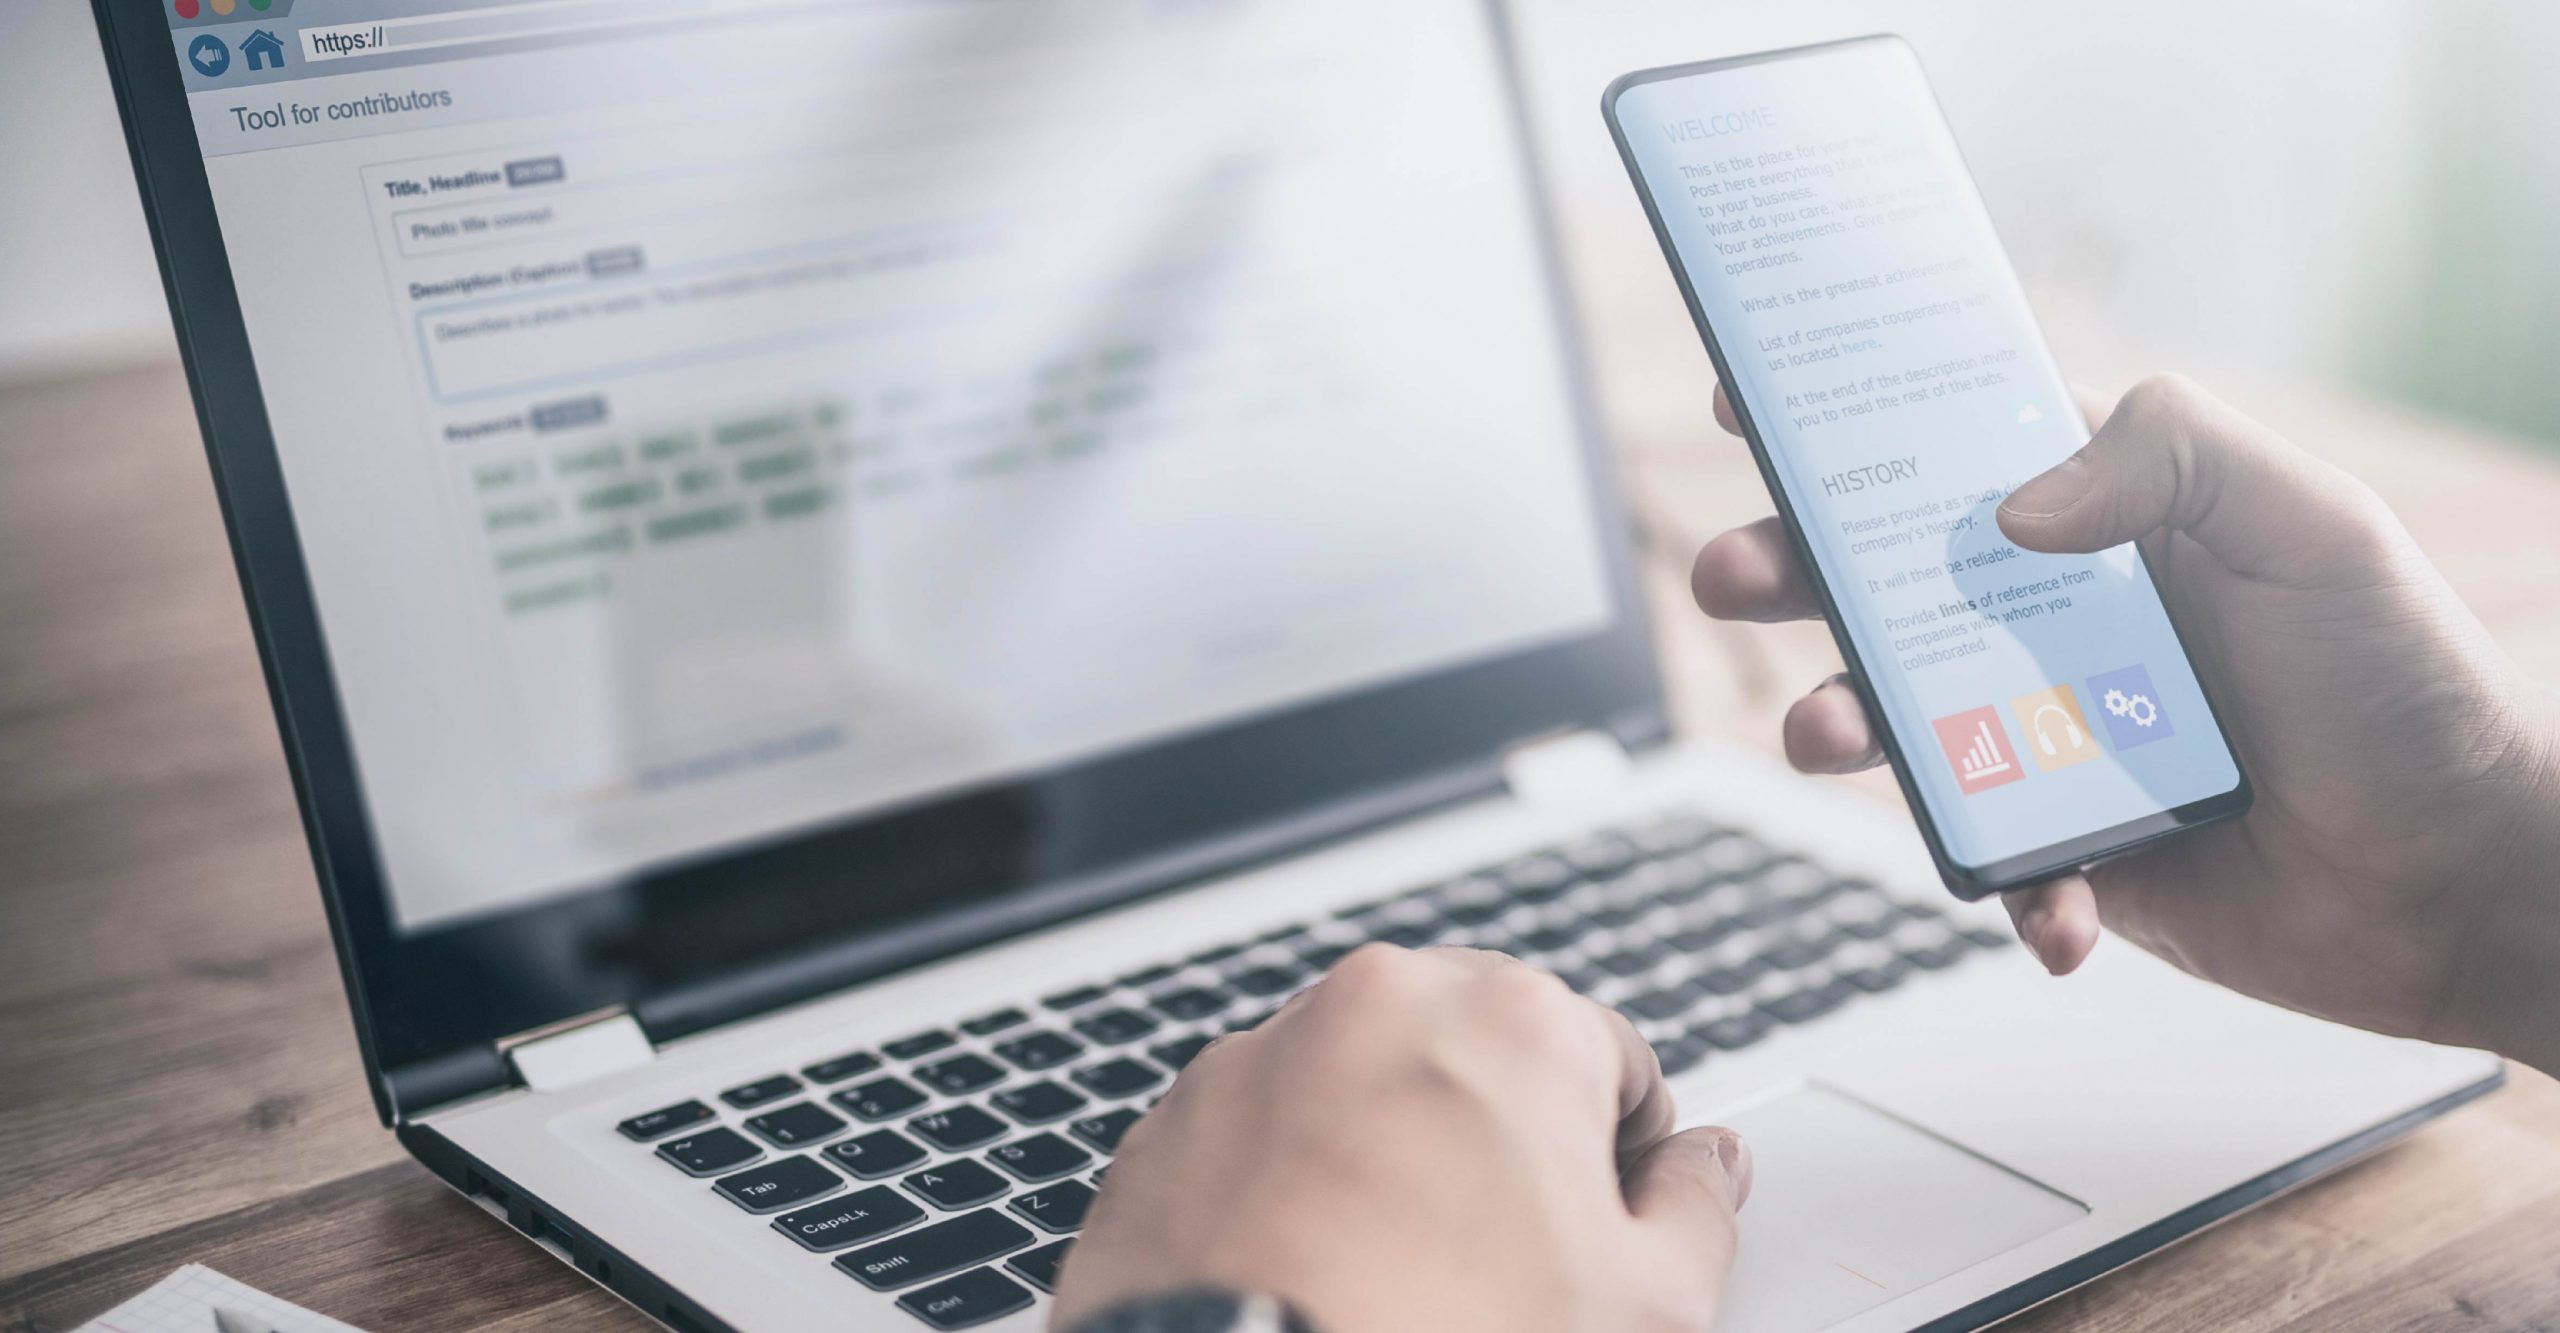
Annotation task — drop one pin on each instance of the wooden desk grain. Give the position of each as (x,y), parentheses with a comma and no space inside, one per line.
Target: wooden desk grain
(178,1081)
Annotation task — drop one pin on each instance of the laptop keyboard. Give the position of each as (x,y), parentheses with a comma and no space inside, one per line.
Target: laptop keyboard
(951,1168)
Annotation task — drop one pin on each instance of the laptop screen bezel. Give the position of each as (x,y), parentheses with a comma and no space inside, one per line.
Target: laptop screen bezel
(688,945)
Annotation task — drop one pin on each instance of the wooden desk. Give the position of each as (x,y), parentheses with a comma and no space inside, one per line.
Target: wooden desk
(178,1080)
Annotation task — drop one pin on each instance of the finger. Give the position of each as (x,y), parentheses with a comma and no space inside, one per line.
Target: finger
(1752,573)
(2174,457)
(1724,412)
(1645,1109)
(1827,732)
(2057,921)
(1688,1189)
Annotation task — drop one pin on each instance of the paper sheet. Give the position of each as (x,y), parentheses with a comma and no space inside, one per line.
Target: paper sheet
(184,1302)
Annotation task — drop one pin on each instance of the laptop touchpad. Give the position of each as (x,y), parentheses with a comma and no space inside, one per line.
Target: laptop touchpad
(1852,1206)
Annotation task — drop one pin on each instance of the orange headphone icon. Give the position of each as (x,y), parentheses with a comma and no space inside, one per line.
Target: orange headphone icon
(2073,737)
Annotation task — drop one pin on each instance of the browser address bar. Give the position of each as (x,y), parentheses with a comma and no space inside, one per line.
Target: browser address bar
(341,41)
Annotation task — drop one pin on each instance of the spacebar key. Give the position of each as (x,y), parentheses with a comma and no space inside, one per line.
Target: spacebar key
(930,1252)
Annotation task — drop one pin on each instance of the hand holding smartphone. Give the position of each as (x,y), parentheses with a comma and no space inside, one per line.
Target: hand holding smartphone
(2039,710)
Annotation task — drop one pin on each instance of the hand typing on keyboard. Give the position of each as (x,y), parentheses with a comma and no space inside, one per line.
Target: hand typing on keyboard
(2398,869)
(1435,1139)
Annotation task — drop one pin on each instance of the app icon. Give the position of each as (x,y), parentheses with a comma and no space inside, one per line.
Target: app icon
(208,55)
(1978,749)
(2132,707)
(2057,733)
(264,49)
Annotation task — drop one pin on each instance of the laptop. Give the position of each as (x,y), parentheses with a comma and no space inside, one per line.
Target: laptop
(847,584)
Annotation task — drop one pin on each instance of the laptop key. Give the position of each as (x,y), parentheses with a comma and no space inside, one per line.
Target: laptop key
(1118,1078)
(881,1098)
(972,1298)
(1040,1267)
(961,1075)
(778,1184)
(1681,1054)
(1601,854)
(958,1128)
(1105,1131)
(1057,1208)
(1113,1027)
(1041,1157)
(1040,1050)
(1881,977)
(1660,1004)
(1562,935)
(1629,962)
(1178,1053)
(1039,1103)
(1810,1003)
(1148,976)
(922,1043)
(995,1022)
(1265,981)
(710,1152)
(1730,980)
(1672,833)
(1323,956)
(1537,878)
(1191,1002)
(748,1096)
(1413,935)
(842,1067)
(1075,999)
(882,1152)
(1737,1032)
(796,1125)
(934,1251)
(957,1184)
(857,1217)
(664,1121)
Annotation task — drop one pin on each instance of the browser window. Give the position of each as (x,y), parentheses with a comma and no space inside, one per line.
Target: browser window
(708,421)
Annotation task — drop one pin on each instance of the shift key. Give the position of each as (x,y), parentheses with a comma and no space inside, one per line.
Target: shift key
(930,1252)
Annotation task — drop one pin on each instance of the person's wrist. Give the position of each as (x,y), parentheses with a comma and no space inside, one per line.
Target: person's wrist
(2507,996)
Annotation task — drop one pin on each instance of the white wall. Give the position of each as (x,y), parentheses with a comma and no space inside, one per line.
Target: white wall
(77,282)
(2184,182)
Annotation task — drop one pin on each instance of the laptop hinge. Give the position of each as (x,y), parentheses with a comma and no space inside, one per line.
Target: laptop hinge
(1565,768)
(578,1050)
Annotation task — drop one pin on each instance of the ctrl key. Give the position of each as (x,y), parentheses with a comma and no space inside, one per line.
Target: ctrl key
(931,1252)
(973,1297)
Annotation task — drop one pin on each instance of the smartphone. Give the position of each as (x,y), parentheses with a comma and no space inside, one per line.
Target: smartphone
(2040,711)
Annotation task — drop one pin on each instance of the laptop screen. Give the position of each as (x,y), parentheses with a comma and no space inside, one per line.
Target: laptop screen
(709,422)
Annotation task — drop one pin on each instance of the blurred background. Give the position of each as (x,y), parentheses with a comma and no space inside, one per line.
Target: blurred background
(2343,199)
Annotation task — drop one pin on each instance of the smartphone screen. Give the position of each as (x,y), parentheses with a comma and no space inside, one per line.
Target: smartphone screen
(2040,709)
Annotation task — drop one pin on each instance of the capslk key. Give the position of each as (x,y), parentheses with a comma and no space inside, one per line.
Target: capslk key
(857,1217)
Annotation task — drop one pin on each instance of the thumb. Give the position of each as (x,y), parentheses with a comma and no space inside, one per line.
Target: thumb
(1687,1187)
(2173,457)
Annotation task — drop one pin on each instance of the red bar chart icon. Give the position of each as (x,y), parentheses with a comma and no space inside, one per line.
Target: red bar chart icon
(1978,749)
